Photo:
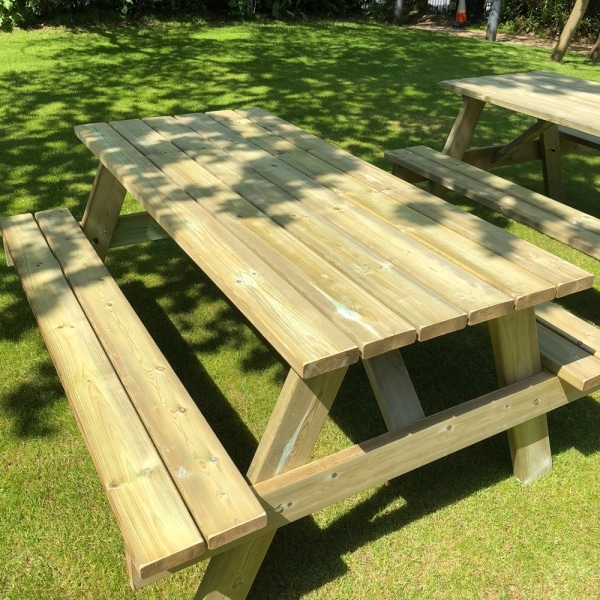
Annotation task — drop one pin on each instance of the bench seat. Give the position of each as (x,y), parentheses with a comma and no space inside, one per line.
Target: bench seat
(557,220)
(172,486)
(579,137)
(569,347)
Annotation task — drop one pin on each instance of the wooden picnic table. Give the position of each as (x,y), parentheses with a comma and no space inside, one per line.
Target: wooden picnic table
(566,110)
(334,261)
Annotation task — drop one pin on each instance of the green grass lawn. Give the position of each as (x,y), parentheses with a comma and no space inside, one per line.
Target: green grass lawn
(460,528)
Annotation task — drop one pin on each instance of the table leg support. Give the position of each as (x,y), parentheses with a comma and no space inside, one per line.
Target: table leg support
(516,353)
(393,389)
(550,150)
(460,135)
(102,210)
(230,575)
(289,438)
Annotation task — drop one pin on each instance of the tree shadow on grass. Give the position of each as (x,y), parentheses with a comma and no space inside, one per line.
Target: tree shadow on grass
(368,89)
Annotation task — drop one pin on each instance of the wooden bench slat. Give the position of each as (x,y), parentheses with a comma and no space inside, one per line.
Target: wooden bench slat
(275,308)
(158,530)
(569,347)
(579,332)
(216,493)
(585,139)
(568,361)
(551,217)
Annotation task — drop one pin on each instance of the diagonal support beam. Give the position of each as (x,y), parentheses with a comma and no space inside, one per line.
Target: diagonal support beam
(534,132)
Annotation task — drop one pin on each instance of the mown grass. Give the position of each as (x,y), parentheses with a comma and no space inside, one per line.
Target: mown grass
(459,528)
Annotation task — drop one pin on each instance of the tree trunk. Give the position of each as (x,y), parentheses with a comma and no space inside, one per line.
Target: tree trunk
(595,51)
(493,20)
(398,7)
(569,29)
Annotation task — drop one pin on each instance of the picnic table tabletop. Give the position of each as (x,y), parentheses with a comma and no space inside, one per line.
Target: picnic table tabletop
(331,258)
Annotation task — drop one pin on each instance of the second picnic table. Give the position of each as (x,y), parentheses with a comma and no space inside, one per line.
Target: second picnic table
(566,109)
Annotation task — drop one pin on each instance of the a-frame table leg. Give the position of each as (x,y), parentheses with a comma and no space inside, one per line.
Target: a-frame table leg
(460,135)
(551,164)
(288,440)
(516,353)
(102,210)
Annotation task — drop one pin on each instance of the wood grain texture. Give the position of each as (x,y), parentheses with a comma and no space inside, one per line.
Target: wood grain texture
(516,354)
(297,330)
(215,492)
(564,100)
(562,222)
(158,531)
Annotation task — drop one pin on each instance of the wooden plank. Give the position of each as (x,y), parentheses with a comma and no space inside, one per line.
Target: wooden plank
(484,157)
(479,300)
(295,328)
(516,354)
(568,361)
(400,196)
(373,327)
(582,92)
(295,424)
(312,487)
(289,439)
(136,228)
(157,528)
(102,210)
(215,492)
(553,218)
(551,164)
(532,133)
(464,126)
(525,96)
(577,331)
(393,389)
(585,139)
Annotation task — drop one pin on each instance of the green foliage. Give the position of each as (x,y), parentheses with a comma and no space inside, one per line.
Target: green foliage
(9,17)
(66,11)
(548,17)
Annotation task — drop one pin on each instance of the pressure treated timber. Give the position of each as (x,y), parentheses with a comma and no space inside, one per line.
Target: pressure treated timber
(310,211)
(136,228)
(411,258)
(314,486)
(516,354)
(569,105)
(291,433)
(393,389)
(102,210)
(518,93)
(249,282)
(579,332)
(157,529)
(585,139)
(555,219)
(216,493)
(569,346)
(373,326)
(416,202)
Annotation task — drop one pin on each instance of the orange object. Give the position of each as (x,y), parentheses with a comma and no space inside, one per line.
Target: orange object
(461,13)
